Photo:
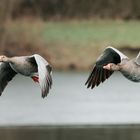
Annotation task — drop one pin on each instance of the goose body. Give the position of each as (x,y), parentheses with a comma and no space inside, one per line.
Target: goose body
(113,60)
(33,66)
(131,70)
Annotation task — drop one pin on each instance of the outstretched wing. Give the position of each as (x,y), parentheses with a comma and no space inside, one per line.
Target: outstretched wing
(6,75)
(98,74)
(44,71)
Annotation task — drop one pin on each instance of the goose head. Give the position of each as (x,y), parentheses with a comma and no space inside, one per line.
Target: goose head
(112,67)
(3,58)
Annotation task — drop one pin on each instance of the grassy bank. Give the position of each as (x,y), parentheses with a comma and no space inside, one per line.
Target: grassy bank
(72,44)
(93,33)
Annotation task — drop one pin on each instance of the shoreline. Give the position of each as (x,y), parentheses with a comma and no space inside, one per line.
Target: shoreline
(69,45)
(97,132)
(70,62)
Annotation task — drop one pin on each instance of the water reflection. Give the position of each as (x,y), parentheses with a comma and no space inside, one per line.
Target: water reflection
(69,102)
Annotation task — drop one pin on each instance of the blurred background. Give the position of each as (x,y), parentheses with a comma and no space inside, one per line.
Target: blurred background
(68,31)
(70,34)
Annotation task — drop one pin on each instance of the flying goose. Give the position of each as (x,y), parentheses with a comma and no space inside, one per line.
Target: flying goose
(33,66)
(113,60)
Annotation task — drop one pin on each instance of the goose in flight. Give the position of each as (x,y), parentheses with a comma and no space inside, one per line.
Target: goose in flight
(113,60)
(33,66)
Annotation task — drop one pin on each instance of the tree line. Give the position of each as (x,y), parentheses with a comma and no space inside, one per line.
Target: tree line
(125,9)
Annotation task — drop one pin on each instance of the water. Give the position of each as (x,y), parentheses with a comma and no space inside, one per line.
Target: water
(117,101)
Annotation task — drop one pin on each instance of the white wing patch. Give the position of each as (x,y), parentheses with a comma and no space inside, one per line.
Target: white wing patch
(138,59)
(45,79)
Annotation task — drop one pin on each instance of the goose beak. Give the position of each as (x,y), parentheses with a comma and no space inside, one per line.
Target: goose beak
(108,67)
(1,58)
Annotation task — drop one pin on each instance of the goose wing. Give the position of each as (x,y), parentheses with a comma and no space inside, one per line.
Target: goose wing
(6,75)
(98,74)
(138,59)
(44,72)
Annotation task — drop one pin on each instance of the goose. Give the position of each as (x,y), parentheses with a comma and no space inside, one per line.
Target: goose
(34,66)
(113,60)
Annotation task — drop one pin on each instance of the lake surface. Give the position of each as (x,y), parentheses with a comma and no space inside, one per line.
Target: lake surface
(117,101)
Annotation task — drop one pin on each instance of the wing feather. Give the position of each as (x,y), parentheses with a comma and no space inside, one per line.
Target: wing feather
(98,74)
(6,75)
(138,59)
(44,71)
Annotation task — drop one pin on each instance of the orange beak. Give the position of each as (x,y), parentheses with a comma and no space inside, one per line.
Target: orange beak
(107,67)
